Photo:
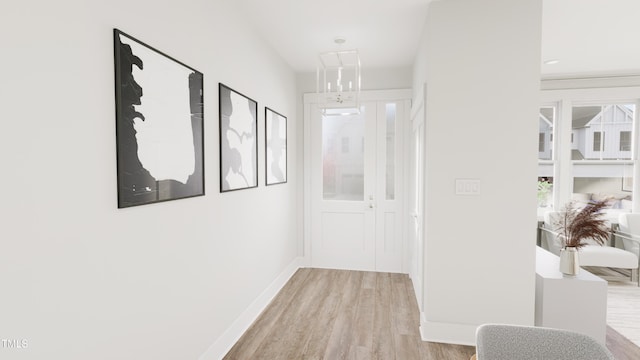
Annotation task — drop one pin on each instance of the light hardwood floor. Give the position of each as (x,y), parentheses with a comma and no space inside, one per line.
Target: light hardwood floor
(338,314)
(623,307)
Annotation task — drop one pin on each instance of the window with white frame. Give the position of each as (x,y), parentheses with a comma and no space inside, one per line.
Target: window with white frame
(546,122)
(601,153)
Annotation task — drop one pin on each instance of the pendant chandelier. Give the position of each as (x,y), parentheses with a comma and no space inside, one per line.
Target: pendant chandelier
(338,82)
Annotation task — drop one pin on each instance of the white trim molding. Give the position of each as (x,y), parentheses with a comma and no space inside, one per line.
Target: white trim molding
(447,333)
(226,341)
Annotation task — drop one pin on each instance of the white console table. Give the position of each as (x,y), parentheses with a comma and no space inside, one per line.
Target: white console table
(573,303)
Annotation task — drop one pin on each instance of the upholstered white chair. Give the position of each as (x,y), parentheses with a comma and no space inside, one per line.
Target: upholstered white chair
(512,342)
(629,233)
(591,255)
(550,239)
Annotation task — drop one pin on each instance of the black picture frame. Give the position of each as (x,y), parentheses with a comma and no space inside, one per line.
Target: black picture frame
(238,140)
(275,143)
(159,125)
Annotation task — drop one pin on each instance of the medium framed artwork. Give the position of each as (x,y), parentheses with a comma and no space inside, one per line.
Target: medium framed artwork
(275,129)
(159,125)
(238,140)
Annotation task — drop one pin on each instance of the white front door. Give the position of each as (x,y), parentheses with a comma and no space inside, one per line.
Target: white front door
(355,187)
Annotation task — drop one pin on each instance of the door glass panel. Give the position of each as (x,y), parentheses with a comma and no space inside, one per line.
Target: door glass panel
(391,151)
(343,156)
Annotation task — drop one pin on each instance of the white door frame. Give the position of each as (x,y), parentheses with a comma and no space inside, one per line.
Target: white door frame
(416,217)
(309,103)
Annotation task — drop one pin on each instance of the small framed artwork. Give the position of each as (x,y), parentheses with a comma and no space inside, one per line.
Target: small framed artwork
(238,140)
(275,129)
(159,125)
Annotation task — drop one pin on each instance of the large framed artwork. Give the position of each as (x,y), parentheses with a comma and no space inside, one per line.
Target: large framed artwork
(275,129)
(159,125)
(238,140)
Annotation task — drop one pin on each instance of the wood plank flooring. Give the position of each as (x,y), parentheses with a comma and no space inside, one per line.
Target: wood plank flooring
(623,311)
(338,314)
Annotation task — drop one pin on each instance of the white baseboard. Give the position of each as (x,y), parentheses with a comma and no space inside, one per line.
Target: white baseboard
(226,341)
(448,333)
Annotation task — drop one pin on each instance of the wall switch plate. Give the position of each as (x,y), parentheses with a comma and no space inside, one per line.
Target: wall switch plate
(467,186)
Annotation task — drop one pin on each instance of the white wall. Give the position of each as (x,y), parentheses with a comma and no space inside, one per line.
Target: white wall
(81,279)
(481,63)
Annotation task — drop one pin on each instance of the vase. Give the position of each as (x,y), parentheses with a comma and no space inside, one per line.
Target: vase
(569,264)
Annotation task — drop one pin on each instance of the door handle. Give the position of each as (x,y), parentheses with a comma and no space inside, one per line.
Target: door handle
(370,205)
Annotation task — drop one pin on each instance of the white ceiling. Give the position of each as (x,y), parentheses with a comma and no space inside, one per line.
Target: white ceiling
(589,37)
(385,32)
